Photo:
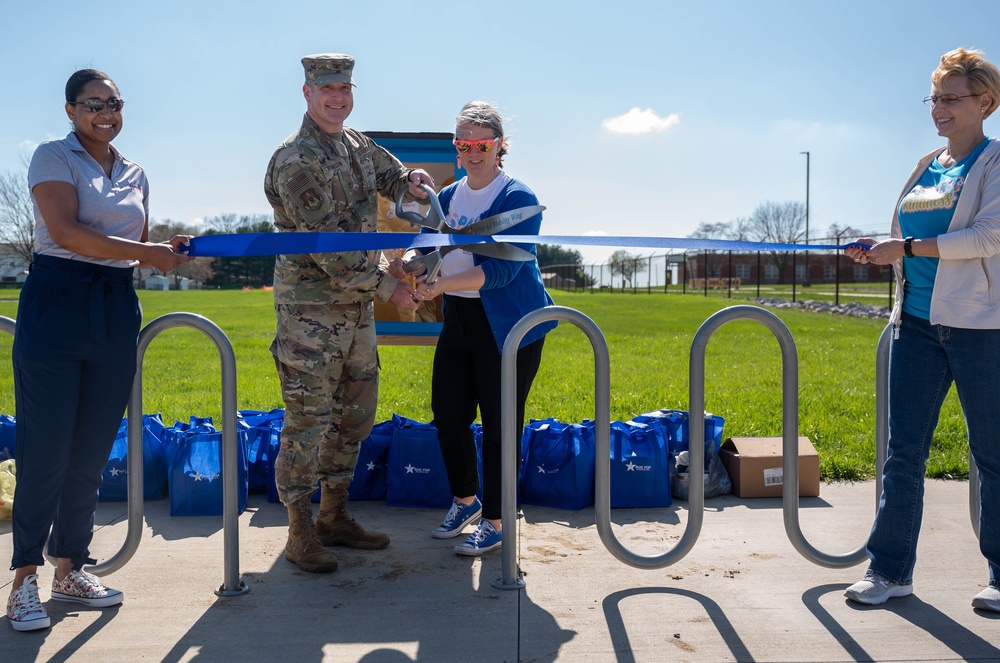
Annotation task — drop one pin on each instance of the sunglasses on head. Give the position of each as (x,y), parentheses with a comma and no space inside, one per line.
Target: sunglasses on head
(114,104)
(485,146)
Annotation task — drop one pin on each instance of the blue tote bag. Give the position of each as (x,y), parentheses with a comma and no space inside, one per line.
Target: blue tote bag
(259,427)
(558,465)
(171,435)
(274,446)
(196,473)
(417,476)
(477,435)
(677,426)
(114,486)
(371,474)
(640,465)
(7,430)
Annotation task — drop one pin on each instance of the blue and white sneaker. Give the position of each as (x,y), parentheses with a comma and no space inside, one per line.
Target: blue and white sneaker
(459,515)
(483,540)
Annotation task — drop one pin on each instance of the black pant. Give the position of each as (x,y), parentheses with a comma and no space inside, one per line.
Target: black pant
(466,375)
(74,362)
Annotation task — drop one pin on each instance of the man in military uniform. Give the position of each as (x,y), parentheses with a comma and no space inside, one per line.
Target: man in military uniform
(327,177)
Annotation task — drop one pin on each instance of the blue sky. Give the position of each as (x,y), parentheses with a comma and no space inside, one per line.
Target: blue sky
(730,91)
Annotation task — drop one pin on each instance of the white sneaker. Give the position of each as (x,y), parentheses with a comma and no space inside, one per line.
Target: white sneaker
(874,591)
(24,608)
(82,587)
(988,599)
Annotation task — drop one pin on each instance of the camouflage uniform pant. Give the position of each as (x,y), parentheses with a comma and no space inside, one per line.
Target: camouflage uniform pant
(327,415)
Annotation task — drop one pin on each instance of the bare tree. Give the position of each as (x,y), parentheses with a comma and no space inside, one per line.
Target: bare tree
(624,263)
(224,223)
(717,230)
(17,216)
(230,223)
(781,223)
(199,269)
(842,232)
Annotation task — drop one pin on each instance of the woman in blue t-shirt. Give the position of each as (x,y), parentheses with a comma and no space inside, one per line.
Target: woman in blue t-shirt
(75,343)
(484,299)
(945,248)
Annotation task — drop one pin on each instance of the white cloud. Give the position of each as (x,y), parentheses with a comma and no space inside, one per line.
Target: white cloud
(638,121)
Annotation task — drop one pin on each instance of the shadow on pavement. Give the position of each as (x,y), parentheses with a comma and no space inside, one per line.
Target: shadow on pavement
(967,645)
(619,633)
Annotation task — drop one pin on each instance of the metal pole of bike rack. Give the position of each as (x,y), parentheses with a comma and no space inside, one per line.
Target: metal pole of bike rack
(510,437)
(789,424)
(232,585)
(882,428)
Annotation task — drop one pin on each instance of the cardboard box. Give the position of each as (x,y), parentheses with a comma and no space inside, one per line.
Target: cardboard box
(755,466)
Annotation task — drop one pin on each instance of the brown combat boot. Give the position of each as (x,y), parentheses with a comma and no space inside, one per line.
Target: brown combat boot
(334,527)
(303,549)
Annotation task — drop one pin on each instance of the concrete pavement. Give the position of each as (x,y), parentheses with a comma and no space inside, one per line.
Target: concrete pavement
(742,594)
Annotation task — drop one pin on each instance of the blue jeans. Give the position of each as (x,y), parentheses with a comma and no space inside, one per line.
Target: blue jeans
(923,363)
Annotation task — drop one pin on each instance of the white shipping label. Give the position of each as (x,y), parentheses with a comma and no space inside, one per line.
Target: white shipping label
(773,476)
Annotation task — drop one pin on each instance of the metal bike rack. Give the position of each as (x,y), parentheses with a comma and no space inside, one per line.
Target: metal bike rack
(232,584)
(882,427)
(789,424)
(510,437)
(511,578)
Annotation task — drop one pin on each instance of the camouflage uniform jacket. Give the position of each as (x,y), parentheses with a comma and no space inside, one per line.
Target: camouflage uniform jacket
(318,182)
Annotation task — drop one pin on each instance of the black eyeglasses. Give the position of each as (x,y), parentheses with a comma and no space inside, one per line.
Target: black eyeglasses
(947,99)
(114,104)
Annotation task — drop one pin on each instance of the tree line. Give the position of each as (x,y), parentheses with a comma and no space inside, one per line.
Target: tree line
(238,272)
(782,223)
(17,235)
(771,222)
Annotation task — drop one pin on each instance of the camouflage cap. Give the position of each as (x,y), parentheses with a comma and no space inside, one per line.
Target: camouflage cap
(326,68)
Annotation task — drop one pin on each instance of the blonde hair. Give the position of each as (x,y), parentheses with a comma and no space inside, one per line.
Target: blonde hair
(983,75)
(483,114)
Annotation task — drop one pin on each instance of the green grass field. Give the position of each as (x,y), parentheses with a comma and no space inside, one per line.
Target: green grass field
(649,339)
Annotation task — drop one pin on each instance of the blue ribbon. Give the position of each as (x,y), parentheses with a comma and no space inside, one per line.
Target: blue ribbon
(268,244)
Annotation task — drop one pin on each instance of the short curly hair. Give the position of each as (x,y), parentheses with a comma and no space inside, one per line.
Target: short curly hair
(983,75)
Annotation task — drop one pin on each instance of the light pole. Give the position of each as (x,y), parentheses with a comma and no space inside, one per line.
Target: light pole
(806,282)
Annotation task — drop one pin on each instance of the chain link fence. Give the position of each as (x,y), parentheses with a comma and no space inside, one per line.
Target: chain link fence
(794,274)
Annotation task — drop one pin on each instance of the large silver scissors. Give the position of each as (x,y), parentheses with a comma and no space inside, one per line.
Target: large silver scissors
(489,226)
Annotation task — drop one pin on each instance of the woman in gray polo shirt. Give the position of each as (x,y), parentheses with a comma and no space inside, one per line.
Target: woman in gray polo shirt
(75,343)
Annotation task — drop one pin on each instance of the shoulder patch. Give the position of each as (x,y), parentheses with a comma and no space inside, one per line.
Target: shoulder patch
(304,188)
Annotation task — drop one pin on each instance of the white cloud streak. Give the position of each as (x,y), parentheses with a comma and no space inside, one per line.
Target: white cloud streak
(638,121)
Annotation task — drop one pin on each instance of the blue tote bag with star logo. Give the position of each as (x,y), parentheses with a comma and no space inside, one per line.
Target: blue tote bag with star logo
(417,476)
(640,465)
(371,474)
(114,486)
(196,471)
(557,468)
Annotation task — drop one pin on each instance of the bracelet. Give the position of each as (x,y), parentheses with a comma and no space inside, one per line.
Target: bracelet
(908,247)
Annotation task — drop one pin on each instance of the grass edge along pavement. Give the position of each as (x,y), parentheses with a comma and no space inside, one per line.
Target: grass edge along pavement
(649,340)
